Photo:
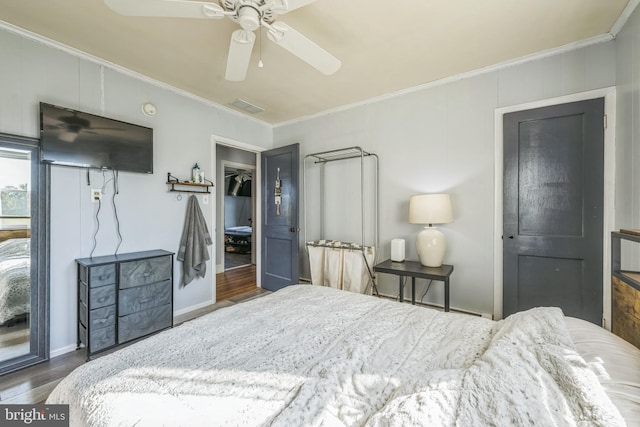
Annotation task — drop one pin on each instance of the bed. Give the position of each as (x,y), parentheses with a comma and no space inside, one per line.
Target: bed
(15,280)
(238,239)
(310,355)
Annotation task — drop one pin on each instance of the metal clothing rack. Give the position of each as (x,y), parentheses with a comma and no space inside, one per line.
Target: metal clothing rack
(325,157)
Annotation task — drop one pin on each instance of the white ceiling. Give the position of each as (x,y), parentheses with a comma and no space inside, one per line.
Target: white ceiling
(384,46)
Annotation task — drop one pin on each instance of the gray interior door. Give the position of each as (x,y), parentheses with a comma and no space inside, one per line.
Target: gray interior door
(280,221)
(553,209)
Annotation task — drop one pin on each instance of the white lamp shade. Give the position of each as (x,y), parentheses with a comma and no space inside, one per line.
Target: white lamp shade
(430,209)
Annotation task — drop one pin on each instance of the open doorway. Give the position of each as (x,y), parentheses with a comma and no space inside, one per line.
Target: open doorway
(237,238)
(238,215)
(235,206)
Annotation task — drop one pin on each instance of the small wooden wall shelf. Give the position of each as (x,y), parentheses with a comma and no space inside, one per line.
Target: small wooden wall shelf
(195,188)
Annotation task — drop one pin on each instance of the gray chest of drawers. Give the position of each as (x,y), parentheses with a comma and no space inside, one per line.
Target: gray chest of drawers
(123,297)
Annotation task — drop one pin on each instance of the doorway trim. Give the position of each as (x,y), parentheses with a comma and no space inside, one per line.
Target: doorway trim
(252,168)
(222,140)
(609,95)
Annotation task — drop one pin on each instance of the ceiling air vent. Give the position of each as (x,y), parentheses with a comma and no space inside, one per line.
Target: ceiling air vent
(244,105)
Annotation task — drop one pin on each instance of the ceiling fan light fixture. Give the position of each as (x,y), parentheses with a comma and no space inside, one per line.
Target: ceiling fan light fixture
(249,18)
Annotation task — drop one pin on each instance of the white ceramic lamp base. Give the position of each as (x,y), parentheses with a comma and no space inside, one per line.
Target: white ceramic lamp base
(431,246)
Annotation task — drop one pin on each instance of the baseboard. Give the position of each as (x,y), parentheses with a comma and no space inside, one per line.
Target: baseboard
(69,348)
(62,350)
(438,306)
(219,268)
(193,308)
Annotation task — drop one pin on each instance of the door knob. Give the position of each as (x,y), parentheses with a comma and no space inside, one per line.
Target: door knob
(293,229)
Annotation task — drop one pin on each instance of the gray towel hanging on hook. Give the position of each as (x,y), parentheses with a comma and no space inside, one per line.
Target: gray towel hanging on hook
(193,250)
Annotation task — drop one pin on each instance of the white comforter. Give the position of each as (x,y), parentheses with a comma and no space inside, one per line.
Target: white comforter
(309,355)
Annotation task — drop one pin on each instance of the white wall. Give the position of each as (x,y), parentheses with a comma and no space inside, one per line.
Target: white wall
(150,216)
(628,136)
(441,139)
(628,124)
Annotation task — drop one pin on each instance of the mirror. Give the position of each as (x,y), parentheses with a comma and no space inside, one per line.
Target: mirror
(24,307)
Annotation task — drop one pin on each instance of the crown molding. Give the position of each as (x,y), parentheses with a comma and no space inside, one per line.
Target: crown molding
(623,18)
(495,67)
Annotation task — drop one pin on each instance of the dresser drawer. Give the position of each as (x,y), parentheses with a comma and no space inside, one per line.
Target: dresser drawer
(100,338)
(141,298)
(144,322)
(97,297)
(99,275)
(99,318)
(145,271)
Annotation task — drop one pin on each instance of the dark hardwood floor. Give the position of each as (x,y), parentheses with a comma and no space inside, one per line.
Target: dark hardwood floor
(234,260)
(237,281)
(33,385)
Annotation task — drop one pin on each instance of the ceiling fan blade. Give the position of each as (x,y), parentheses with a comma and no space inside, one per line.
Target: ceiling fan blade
(285,36)
(167,8)
(240,49)
(283,6)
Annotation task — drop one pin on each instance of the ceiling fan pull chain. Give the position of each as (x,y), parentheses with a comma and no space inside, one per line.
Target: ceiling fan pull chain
(260,63)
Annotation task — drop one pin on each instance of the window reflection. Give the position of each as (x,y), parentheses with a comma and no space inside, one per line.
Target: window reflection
(15,252)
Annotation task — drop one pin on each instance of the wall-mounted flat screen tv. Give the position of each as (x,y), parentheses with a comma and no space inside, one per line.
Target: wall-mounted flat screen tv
(74,138)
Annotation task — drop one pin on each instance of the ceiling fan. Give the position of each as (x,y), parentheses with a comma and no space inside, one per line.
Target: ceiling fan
(250,15)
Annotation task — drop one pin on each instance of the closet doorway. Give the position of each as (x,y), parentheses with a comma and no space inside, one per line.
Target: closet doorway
(237,232)
(238,215)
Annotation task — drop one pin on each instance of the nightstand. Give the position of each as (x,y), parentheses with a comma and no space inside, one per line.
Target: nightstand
(414,269)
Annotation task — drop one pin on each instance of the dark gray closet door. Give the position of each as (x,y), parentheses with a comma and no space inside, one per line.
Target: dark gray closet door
(553,209)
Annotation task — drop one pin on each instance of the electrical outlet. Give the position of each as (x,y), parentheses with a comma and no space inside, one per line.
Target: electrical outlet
(96,195)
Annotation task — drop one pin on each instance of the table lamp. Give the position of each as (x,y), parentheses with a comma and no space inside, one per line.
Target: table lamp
(430,209)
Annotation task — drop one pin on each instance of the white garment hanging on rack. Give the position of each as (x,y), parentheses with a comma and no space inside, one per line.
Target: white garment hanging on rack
(355,272)
(316,263)
(333,263)
(341,265)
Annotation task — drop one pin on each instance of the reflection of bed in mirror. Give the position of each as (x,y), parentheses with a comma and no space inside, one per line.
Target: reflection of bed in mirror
(15,282)
(238,239)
